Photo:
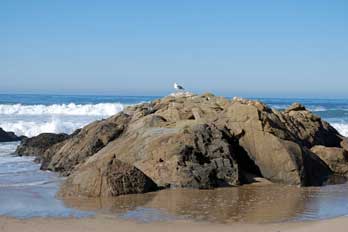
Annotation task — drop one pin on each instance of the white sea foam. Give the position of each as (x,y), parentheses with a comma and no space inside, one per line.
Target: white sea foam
(31,120)
(7,148)
(104,109)
(279,107)
(310,107)
(317,108)
(33,128)
(342,128)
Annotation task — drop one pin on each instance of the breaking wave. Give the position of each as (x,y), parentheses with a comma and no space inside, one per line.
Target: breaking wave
(32,120)
(33,128)
(104,109)
(310,107)
(342,128)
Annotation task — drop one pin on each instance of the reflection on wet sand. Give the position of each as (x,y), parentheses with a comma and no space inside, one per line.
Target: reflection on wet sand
(271,203)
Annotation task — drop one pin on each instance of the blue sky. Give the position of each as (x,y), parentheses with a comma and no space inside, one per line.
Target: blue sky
(249,48)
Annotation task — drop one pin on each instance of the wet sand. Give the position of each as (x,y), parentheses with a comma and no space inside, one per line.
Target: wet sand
(246,204)
(100,224)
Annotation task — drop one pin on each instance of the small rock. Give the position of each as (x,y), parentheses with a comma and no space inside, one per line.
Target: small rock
(295,107)
(36,146)
(8,136)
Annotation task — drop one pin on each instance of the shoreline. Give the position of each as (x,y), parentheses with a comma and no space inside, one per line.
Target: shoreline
(103,223)
(244,203)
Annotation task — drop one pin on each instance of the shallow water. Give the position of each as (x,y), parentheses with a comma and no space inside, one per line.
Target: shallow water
(257,204)
(26,191)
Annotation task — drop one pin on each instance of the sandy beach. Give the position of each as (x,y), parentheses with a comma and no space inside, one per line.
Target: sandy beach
(110,224)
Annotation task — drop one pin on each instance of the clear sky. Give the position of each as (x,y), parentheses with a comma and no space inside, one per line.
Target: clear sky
(279,48)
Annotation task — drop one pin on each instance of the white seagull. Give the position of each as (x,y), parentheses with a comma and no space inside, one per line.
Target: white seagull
(178,87)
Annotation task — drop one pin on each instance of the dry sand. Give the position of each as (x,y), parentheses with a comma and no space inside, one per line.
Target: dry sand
(100,224)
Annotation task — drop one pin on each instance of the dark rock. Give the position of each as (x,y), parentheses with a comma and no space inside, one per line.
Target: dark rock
(206,159)
(111,179)
(36,146)
(8,136)
(316,171)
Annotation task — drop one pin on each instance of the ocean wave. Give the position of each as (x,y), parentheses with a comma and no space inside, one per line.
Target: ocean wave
(32,120)
(313,108)
(33,128)
(103,109)
(318,108)
(342,128)
(7,147)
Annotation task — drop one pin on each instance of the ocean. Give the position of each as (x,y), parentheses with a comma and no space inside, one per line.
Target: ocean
(31,115)
(25,191)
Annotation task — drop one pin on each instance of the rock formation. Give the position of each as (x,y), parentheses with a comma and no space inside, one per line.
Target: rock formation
(198,142)
(37,145)
(63,157)
(8,136)
(110,179)
(336,158)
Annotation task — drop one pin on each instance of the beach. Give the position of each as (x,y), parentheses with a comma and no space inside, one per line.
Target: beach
(101,224)
(173,116)
(28,193)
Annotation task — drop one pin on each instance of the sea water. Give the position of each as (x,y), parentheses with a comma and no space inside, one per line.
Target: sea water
(31,115)
(25,191)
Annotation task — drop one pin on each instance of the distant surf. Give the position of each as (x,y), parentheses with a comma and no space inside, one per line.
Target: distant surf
(102,109)
(31,115)
(31,120)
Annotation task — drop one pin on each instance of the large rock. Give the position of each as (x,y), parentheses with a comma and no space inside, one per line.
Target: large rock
(36,146)
(63,157)
(336,158)
(197,142)
(8,136)
(309,129)
(112,178)
(195,156)
(268,141)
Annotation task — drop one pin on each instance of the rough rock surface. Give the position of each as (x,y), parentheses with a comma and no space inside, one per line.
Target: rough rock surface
(199,142)
(308,128)
(109,179)
(63,157)
(195,156)
(336,158)
(277,141)
(8,136)
(36,146)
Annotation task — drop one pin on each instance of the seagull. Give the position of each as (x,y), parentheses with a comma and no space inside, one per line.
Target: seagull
(178,87)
